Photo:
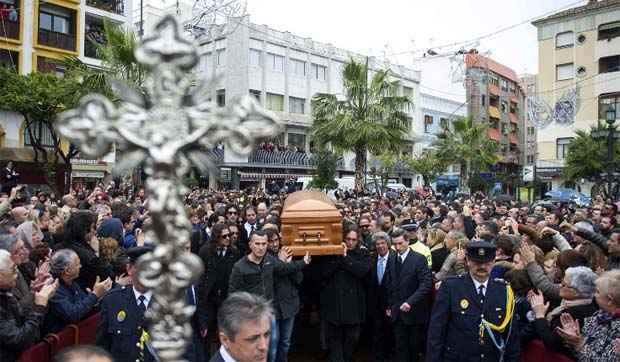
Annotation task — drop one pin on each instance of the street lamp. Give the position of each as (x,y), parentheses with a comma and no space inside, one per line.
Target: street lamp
(610,118)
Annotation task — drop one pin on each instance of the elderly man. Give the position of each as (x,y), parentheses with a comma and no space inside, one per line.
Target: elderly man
(20,214)
(18,330)
(244,325)
(71,303)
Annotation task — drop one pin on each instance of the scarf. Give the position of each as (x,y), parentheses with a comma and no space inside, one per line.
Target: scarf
(604,317)
(565,304)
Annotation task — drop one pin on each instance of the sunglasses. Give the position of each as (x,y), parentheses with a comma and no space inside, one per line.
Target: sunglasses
(225,236)
(232,213)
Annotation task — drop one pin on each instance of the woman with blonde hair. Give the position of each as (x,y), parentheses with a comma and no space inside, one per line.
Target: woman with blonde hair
(435,241)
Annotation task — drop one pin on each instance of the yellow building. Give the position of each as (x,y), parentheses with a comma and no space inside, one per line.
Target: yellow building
(578,78)
(34,36)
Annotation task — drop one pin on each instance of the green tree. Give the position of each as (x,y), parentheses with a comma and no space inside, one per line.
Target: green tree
(39,98)
(587,156)
(120,72)
(428,165)
(326,163)
(466,143)
(370,118)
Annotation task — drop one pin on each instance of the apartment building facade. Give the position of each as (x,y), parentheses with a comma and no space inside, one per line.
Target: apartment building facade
(494,96)
(579,52)
(34,37)
(284,71)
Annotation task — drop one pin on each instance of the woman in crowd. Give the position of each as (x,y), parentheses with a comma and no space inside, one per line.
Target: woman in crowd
(599,338)
(577,292)
(435,241)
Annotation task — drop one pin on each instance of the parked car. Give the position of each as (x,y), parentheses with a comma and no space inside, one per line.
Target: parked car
(568,196)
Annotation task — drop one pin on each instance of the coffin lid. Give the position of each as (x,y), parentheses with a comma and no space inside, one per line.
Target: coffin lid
(309,203)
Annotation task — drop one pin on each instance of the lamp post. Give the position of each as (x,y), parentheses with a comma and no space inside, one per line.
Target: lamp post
(610,118)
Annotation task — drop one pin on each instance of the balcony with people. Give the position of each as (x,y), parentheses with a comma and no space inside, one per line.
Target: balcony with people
(94,36)
(9,19)
(112,6)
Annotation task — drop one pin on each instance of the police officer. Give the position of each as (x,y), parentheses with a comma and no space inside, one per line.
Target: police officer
(472,316)
(121,329)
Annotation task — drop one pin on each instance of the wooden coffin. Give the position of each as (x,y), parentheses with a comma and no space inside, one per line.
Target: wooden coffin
(311,222)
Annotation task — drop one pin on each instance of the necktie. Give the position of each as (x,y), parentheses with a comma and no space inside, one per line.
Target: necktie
(399,263)
(481,292)
(142,304)
(251,228)
(381,269)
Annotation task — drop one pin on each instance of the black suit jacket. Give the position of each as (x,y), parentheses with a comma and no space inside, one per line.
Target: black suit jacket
(378,293)
(413,285)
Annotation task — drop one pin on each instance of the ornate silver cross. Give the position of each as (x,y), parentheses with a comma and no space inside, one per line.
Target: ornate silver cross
(167,133)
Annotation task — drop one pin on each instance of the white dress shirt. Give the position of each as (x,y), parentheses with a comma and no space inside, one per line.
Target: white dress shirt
(477,285)
(225,355)
(147,297)
(403,256)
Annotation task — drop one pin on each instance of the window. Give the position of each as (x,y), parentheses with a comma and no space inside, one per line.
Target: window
(41,133)
(275,102)
(504,131)
(428,123)
(256,94)
(298,67)
(319,72)
(530,159)
(298,141)
(276,62)
(443,123)
(255,57)
(56,19)
(504,107)
(564,71)
(220,57)
(609,31)
(564,40)
(494,81)
(483,100)
(296,105)
(561,150)
(504,85)
(607,101)
(220,97)
(531,131)
(609,64)
(408,92)
(9,59)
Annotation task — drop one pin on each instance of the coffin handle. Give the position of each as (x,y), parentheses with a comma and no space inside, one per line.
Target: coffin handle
(318,236)
(304,236)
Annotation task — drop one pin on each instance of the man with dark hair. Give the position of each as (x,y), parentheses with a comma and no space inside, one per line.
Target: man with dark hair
(409,287)
(83,353)
(244,328)
(387,221)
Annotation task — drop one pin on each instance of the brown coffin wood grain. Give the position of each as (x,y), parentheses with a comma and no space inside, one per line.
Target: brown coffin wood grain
(311,222)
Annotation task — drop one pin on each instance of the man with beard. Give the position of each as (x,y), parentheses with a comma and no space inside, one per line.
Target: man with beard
(472,317)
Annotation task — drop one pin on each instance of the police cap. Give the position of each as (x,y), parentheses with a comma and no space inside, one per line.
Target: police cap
(136,252)
(481,251)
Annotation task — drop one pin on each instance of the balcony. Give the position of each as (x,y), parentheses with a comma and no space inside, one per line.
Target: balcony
(57,40)
(607,83)
(10,28)
(94,35)
(286,158)
(112,6)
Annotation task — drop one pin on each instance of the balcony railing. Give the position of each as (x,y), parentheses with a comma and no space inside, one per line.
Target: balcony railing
(113,6)
(8,28)
(57,40)
(286,158)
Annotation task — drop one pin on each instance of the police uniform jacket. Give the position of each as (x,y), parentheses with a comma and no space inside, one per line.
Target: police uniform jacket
(121,325)
(454,330)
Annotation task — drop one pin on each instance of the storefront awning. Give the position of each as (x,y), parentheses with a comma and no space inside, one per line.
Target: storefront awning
(513,118)
(87,174)
(494,112)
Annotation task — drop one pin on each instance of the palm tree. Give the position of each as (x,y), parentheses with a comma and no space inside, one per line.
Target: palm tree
(370,118)
(118,64)
(467,144)
(587,156)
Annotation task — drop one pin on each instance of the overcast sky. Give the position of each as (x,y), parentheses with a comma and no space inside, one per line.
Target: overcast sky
(394,26)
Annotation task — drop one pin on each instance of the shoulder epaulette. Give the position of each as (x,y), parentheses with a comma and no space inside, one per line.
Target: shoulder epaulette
(500,280)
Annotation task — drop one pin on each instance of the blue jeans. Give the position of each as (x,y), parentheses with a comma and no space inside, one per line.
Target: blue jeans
(285,330)
(273,343)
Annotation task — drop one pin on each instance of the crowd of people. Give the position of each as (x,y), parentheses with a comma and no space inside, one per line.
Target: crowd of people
(418,277)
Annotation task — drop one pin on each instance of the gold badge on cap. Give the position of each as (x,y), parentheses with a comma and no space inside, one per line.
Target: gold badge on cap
(481,252)
(121,316)
(464,303)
